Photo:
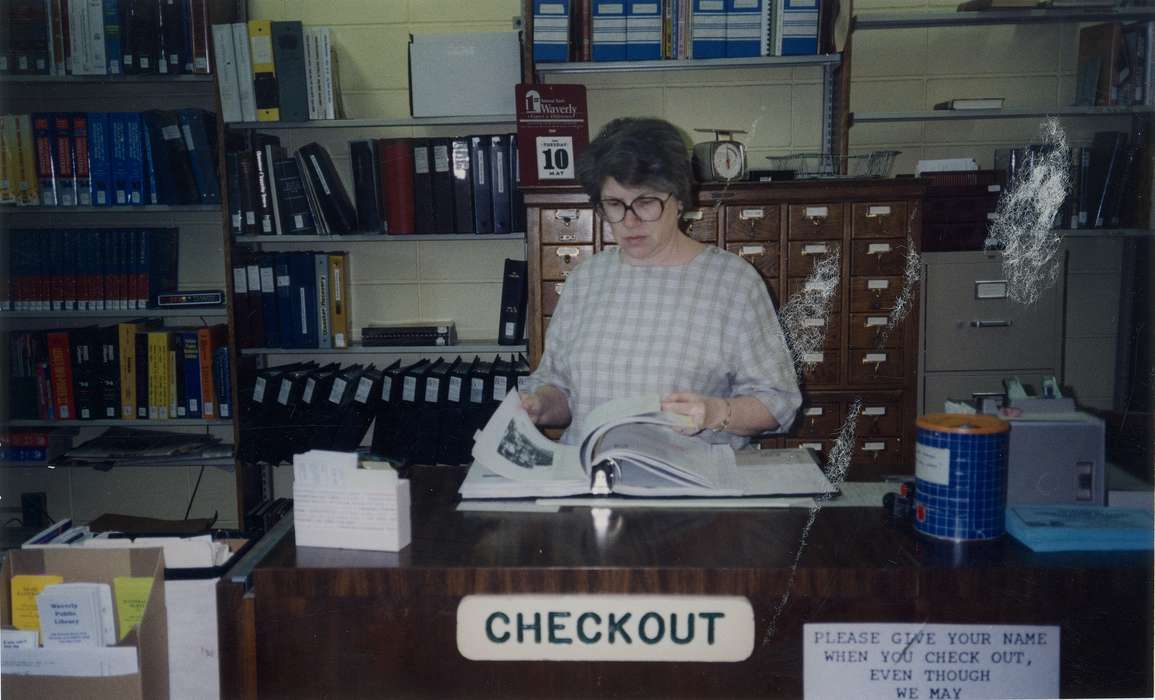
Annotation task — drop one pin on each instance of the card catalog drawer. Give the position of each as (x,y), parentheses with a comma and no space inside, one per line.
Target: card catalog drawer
(557,261)
(802,256)
(550,293)
(819,419)
(876,366)
(878,257)
(821,447)
(830,328)
(874,293)
(752,223)
(770,443)
(879,417)
(869,331)
(702,224)
(871,452)
(878,220)
(820,368)
(762,255)
(567,225)
(815,221)
(797,285)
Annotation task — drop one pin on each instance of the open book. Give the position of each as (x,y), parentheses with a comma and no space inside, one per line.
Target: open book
(628,447)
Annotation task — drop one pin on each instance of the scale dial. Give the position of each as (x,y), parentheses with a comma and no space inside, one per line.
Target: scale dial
(729,160)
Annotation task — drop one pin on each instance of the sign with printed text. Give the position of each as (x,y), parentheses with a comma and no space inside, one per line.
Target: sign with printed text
(552,132)
(605,627)
(930,661)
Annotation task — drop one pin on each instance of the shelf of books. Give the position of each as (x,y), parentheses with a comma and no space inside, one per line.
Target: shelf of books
(174,209)
(212,311)
(464,347)
(377,238)
(190,80)
(1106,233)
(576,67)
(401,122)
(106,423)
(980,114)
(907,20)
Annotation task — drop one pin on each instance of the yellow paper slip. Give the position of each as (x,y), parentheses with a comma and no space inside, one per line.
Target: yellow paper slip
(131,594)
(25,588)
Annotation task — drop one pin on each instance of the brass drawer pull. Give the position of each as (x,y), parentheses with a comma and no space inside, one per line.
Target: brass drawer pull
(878,248)
(815,249)
(875,212)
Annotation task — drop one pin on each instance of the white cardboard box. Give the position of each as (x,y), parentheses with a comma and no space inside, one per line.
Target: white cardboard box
(468,74)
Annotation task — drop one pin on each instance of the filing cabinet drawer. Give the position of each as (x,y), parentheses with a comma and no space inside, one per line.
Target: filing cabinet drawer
(878,257)
(879,417)
(802,256)
(876,452)
(557,261)
(869,331)
(567,225)
(874,293)
(815,221)
(752,223)
(972,324)
(878,220)
(701,224)
(797,285)
(550,293)
(817,419)
(820,368)
(876,366)
(763,256)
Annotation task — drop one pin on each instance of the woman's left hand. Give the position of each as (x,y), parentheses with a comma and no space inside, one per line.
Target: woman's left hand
(703,411)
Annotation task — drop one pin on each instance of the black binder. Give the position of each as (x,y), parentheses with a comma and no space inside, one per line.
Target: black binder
(289,60)
(482,190)
(451,414)
(257,426)
(441,151)
(296,217)
(317,386)
(332,408)
(428,433)
(266,150)
(477,405)
(422,186)
(462,172)
(365,186)
(339,213)
(412,396)
(357,416)
(514,285)
(283,414)
(499,182)
(385,425)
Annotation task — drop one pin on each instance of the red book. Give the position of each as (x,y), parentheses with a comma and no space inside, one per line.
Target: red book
(395,165)
(208,340)
(45,167)
(80,153)
(199,33)
(65,158)
(60,375)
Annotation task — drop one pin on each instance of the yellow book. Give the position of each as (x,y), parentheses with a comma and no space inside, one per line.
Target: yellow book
(339,299)
(27,185)
(25,588)
(7,196)
(264,71)
(157,375)
(170,384)
(126,339)
(130,594)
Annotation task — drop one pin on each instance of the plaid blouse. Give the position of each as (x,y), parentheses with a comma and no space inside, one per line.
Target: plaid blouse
(707,326)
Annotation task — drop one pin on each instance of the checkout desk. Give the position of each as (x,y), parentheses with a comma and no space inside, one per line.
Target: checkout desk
(313,623)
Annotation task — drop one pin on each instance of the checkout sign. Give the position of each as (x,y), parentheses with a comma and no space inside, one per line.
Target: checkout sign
(605,627)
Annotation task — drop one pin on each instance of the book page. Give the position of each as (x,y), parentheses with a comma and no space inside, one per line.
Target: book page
(678,458)
(511,446)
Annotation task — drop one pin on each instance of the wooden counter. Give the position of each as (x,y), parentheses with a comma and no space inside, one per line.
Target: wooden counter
(346,624)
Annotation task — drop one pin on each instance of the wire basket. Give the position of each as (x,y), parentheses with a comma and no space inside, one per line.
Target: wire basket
(825,165)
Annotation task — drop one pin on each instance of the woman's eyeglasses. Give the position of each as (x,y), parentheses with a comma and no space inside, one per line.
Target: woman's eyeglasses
(645,208)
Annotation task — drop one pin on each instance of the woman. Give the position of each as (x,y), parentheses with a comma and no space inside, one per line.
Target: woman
(661,313)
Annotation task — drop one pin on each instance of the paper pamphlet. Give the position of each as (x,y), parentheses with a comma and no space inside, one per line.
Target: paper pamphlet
(76,614)
(131,594)
(25,588)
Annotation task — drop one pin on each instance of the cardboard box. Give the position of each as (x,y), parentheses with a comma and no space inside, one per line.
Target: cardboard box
(468,74)
(150,638)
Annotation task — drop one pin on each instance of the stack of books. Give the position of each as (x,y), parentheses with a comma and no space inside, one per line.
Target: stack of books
(105,37)
(66,159)
(276,71)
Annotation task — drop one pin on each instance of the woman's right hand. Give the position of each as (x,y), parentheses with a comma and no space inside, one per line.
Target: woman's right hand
(532,404)
(548,406)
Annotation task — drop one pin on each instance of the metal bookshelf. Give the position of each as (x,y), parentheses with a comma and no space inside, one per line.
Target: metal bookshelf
(494,119)
(158,463)
(117,422)
(9,209)
(465,347)
(1106,233)
(688,64)
(991,17)
(378,238)
(188,78)
(985,114)
(180,312)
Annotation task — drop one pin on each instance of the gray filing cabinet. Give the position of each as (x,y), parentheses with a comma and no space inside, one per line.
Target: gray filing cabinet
(974,336)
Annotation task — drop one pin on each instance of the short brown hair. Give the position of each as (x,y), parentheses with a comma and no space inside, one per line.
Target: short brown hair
(635,152)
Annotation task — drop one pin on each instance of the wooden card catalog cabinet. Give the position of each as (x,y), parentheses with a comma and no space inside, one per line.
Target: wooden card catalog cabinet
(784,230)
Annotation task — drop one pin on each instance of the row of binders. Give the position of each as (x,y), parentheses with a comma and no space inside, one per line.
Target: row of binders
(275,71)
(128,371)
(90,269)
(646,30)
(422,413)
(292,300)
(67,159)
(105,37)
(465,184)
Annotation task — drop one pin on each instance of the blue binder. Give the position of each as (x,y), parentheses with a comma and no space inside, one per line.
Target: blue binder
(551,20)
(194,129)
(608,42)
(284,305)
(743,28)
(270,314)
(708,29)
(643,30)
(799,27)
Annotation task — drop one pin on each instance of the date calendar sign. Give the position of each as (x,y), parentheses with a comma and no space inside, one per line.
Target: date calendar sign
(552,132)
